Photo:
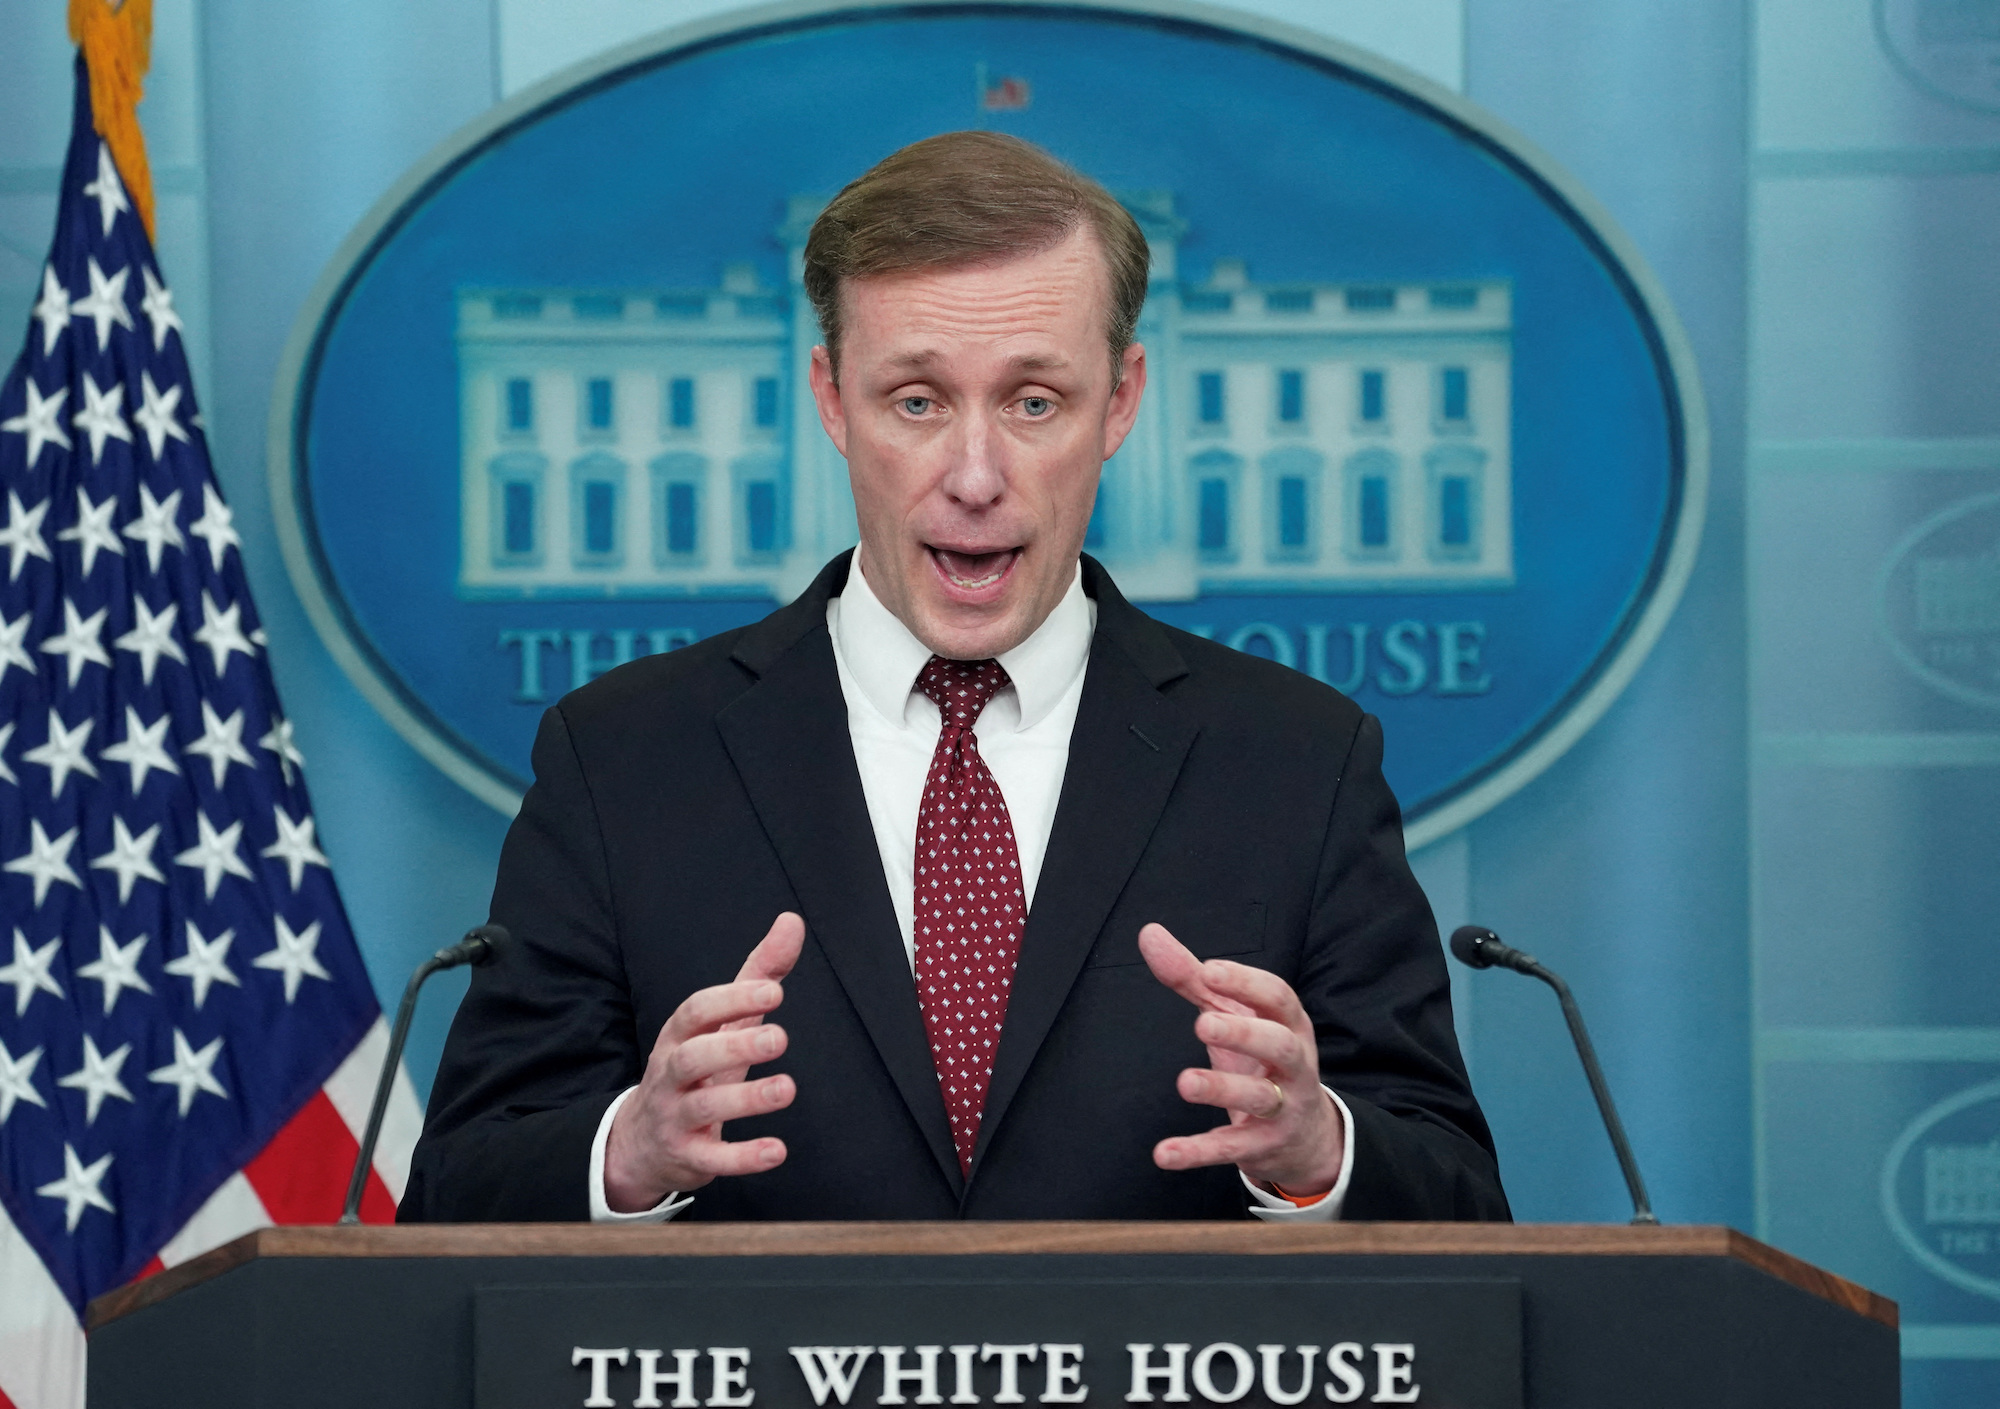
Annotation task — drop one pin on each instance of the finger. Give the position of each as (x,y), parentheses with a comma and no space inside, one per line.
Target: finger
(777,951)
(1260,990)
(720,1159)
(1253,1095)
(1173,964)
(1226,1144)
(1260,1039)
(738,1100)
(713,1053)
(709,1008)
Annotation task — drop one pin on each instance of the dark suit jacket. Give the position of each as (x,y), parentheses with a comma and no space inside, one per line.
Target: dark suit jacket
(682,801)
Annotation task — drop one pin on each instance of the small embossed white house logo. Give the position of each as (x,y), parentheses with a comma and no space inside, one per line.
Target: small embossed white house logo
(1940,1189)
(1940,600)
(1296,437)
(1962,1183)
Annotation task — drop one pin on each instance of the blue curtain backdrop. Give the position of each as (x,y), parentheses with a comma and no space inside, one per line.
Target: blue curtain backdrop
(1765,872)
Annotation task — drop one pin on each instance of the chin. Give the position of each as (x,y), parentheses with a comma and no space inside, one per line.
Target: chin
(950,631)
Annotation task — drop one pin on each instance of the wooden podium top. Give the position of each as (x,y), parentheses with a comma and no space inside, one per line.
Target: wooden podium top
(950,1239)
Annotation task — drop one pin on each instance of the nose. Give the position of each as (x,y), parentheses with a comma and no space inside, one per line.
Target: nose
(976,476)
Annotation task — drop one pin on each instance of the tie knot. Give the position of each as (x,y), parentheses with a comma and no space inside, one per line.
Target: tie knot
(961,688)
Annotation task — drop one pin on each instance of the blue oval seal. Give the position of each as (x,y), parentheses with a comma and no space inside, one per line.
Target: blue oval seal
(1419,422)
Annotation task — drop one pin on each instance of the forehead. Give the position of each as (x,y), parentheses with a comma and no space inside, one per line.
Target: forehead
(1057,296)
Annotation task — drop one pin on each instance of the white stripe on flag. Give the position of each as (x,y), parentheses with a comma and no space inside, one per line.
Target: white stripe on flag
(41,1344)
(351,1088)
(230,1212)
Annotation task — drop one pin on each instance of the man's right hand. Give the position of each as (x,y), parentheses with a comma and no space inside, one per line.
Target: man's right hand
(667,1137)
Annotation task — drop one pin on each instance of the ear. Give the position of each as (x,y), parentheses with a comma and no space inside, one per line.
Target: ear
(1123,410)
(826,396)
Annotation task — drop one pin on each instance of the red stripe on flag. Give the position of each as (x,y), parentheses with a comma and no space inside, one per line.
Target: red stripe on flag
(302,1174)
(149,1269)
(5,1402)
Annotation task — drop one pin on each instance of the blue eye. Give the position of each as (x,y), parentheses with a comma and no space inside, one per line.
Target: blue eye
(1037,406)
(916,405)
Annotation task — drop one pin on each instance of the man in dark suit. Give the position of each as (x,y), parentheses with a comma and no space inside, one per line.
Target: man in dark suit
(1078,822)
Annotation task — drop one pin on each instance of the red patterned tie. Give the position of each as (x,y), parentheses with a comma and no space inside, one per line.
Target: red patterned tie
(970,906)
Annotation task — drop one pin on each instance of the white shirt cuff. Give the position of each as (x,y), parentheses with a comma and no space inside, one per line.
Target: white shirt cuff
(1326,1209)
(600,1207)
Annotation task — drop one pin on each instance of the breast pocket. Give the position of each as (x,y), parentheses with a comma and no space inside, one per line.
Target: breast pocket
(1226,931)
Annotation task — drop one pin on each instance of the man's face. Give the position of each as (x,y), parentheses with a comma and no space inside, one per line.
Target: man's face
(975,408)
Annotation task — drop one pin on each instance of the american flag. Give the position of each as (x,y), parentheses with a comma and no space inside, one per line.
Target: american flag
(188,1039)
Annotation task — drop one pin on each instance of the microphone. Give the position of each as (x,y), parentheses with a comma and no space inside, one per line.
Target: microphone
(1480,948)
(477,947)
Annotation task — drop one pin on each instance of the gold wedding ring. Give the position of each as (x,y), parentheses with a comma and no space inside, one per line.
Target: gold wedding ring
(1272,1114)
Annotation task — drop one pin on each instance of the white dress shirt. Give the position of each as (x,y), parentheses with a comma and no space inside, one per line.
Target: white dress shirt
(1023,735)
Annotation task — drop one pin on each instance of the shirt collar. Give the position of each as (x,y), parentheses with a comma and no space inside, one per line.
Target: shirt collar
(883,657)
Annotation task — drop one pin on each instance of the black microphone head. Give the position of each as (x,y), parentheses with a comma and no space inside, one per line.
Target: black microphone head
(477,947)
(1468,944)
(484,942)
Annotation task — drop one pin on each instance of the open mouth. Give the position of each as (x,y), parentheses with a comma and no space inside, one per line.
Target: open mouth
(973,571)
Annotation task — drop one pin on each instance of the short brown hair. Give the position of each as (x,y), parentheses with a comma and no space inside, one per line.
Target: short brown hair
(966,198)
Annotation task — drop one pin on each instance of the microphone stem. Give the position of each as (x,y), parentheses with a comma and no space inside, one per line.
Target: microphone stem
(398,1035)
(1642,1208)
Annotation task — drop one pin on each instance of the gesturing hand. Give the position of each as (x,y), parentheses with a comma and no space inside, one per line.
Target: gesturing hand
(667,1137)
(1263,1069)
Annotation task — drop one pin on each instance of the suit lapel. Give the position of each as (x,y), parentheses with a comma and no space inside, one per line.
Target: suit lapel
(787,736)
(1125,752)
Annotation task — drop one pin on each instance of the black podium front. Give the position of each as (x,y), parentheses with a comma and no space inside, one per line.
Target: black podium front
(819,1316)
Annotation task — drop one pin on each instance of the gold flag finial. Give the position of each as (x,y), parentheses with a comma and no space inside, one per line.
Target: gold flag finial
(117,44)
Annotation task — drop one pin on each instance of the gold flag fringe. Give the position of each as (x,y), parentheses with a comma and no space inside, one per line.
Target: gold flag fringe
(117,44)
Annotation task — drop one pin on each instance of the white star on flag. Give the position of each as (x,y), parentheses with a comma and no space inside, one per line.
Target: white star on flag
(295,956)
(109,193)
(41,422)
(78,642)
(222,632)
(155,527)
(158,306)
(6,737)
(294,846)
(62,753)
(92,531)
(131,858)
(12,634)
(115,967)
(279,741)
(191,1071)
(22,537)
(156,415)
(17,1081)
(78,1187)
(97,1078)
(214,526)
(29,973)
(204,963)
(51,309)
(215,855)
(47,861)
(102,417)
(105,304)
(221,742)
(151,636)
(143,750)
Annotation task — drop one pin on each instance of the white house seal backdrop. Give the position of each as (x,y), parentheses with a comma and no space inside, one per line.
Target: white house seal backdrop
(1418,422)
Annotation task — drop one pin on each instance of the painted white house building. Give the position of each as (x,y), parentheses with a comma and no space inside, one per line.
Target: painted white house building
(1294,437)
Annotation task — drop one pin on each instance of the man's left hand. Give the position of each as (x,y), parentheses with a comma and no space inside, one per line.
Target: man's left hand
(1263,1069)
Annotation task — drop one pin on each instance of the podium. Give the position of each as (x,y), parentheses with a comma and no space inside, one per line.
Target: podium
(823,1315)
